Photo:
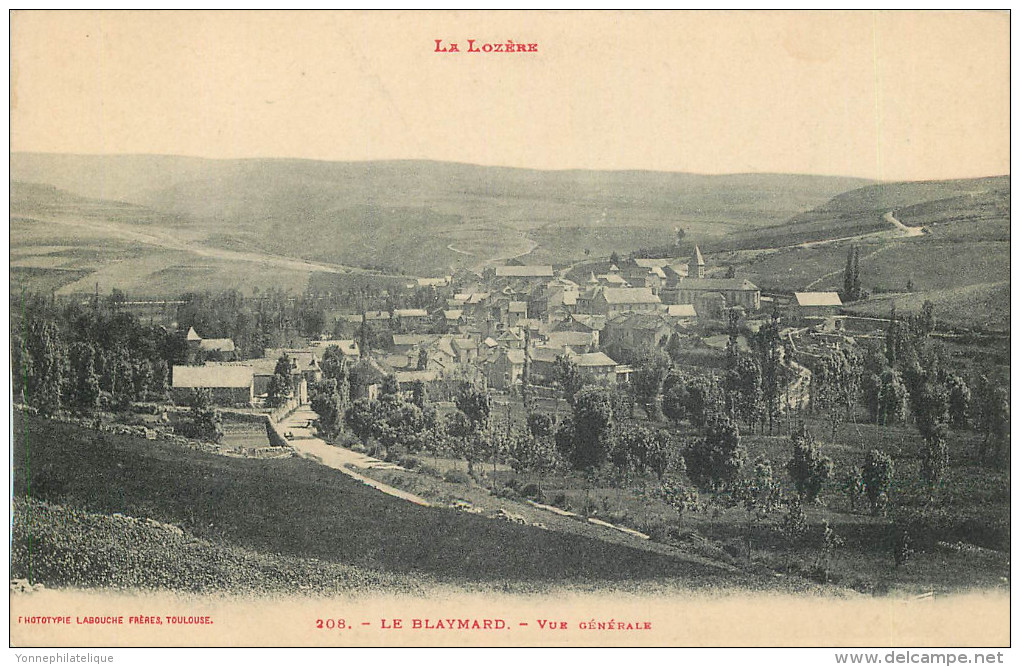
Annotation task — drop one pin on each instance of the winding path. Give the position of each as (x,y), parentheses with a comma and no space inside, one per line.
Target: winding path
(310,447)
(899,231)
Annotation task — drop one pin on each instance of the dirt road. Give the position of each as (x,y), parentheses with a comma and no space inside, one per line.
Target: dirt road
(308,446)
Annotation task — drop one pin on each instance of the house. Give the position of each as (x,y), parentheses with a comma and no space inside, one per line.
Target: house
(597,364)
(411,319)
(504,370)
(228,385)
(217,349)
(681,312)
(376,317)
(208,349)
(348,347)
(433,282)
(511,338)
(735,292)
(533,272)
(304,362)
(637,331)
(516,311)
(404,343)
(407,379)
(454,319)
(466,350)
(578,341)
(816,304)
(611,301)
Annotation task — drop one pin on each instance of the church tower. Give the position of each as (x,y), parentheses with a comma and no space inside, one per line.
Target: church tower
(699,262)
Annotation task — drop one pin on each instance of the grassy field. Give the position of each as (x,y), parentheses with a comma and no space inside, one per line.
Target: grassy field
(294,508)
(961,540)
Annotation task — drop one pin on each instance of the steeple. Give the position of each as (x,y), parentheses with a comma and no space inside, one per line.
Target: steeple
(700,262)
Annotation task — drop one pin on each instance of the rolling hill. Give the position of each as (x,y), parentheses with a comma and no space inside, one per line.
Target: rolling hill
(959,258)
(428,217)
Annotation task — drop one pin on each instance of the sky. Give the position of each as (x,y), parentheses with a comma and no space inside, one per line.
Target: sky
(886,95)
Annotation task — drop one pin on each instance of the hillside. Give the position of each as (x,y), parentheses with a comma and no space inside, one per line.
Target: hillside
(427,217)
(286,516)
(861,211)
(959,258)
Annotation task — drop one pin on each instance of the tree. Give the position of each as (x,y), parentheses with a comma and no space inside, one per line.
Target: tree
(679,495)
(743,387)
(877,475)
(203,421)
(85,390)
(959,401)
(935,458)
(673,348)
(703,399)
(647,380)
(568,376)
(716,459)
(760,496)
(808,468)
(477,408)
(993,420)
(592,423)
(614,259)
(852,483)
(769,349)
(360,418)
(279,390)
(674,402)
(540,425)
(931,411)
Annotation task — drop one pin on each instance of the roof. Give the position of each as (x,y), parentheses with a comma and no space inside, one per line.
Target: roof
(713,284)
(465,343)
(573,338)
(657,270)
(397,361)
(453,314)
(410,312)
(681,310)
(593,360)
(646,321)
(412,339)
(515,356)
(416,376)
(524,271)
(629,295)
(698,259)
(653,263)
(490,342)
(433,282)
(613,278)
(377,315)
(348,346)
(213,376)
(193,335)
(518,307)
(216,345)
(510,334)
(545,354)
(817,299)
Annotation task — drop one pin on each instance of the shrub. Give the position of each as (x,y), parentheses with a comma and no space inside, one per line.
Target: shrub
(457,477)
(533,491)
(560,500)
(429,470)
(359,448)
(409,462)
(589,507)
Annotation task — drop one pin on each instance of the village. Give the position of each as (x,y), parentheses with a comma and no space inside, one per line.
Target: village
(509,325)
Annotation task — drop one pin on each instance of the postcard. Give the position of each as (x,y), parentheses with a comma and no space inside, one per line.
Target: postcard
(517,329)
